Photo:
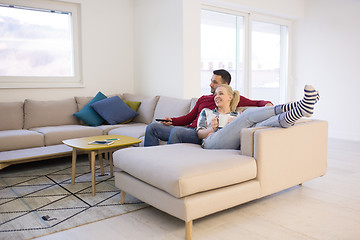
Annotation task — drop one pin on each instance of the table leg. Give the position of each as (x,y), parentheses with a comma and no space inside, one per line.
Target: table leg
(93,171)
(122,197)
(73,170)
(89,158)
(111,164)
(101,162)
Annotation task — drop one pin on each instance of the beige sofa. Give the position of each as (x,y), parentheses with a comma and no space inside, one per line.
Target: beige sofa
(189,182)
(34,130)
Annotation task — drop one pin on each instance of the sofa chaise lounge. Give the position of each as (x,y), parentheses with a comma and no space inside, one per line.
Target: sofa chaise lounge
(189,182)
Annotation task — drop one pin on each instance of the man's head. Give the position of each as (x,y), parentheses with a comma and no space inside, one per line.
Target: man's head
(220,76)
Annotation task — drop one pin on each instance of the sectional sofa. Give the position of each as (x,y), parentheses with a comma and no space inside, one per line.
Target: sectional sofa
(33,130)
(183,180)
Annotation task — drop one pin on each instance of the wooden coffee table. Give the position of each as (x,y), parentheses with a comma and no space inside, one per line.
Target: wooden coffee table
(97,149)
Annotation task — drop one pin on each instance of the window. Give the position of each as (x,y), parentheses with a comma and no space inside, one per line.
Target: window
(268,60)
(254,49)
(219,46)
(39,45)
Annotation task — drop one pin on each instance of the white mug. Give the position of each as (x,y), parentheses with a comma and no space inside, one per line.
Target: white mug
(223,120)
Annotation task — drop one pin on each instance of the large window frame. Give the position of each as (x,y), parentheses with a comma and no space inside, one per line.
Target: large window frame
(75,80)
(285,72)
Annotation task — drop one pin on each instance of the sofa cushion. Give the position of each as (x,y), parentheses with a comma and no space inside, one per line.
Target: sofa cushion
(20,138)
(88,115)
(56,134)
(185,169)
(106,128)
(35,152)
(49,113)
(171,107)
(114,110)
(134,106)
(146,108)
(11,115)
(135,130)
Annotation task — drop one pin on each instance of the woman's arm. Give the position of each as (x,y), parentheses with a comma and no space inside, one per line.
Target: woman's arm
(205,132)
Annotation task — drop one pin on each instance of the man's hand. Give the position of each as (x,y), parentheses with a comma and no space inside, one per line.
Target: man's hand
(167,123)
(269,104)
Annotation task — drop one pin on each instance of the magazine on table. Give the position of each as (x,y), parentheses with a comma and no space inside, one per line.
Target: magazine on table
(104,142)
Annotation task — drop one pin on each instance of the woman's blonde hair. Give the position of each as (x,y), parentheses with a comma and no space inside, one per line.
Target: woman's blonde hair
(236,96)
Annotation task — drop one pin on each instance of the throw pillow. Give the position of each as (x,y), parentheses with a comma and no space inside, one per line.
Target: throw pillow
(88,114)
(114,110)
(134,106)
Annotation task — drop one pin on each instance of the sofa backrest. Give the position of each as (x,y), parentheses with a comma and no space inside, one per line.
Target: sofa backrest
(146,108)
(171,107)
(49,113)
(11,115)
(82,101)
(192,103)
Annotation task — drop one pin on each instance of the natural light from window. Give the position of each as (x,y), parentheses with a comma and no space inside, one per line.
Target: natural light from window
(218,46)
(255,52)
(35,43)
(266,60)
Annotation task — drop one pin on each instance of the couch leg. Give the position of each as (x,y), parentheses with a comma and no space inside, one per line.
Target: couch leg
(188,230)
(122,197)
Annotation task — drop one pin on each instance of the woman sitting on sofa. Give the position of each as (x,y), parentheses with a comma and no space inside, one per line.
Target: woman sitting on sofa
(220,128)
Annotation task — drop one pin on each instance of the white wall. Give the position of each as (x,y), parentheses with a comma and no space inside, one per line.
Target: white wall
(327,55)
(107,53)
(167,47)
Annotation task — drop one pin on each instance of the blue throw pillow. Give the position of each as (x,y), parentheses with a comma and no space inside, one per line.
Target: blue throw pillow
(114,110)
(88,114)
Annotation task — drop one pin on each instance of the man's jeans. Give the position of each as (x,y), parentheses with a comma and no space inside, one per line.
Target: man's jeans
(158,131)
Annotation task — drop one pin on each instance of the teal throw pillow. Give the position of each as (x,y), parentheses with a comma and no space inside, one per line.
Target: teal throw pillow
(114,110)
(88,114)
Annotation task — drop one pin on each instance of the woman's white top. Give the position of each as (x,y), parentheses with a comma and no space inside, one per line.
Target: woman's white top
(207,115)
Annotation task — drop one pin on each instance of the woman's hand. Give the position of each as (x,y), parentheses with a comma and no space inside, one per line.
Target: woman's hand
(209,134)
(215,123)
(230,119)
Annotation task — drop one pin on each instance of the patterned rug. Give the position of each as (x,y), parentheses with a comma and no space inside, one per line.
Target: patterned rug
(37,198)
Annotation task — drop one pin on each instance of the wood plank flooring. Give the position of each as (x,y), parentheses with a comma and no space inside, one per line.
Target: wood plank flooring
(324,208)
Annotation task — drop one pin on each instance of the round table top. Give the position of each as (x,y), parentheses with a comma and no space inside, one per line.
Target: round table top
(85,142)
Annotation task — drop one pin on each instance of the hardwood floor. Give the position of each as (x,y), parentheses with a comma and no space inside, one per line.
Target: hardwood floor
(324,208)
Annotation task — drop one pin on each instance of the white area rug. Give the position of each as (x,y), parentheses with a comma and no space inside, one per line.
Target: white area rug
(37,198)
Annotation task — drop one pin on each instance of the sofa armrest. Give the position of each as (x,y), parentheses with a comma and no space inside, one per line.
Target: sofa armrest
(289,156)
(247,140)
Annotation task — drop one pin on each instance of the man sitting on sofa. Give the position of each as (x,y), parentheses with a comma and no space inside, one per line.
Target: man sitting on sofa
(173,130)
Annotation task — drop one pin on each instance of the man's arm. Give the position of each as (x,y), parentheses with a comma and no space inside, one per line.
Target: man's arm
(245,102)
(188,118)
